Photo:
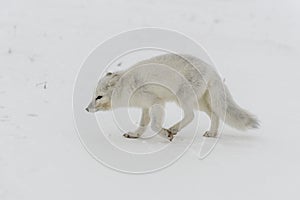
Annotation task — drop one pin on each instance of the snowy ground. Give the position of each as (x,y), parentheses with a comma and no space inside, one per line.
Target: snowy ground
(255,45)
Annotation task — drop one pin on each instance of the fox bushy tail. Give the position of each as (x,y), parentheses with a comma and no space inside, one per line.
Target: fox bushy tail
(225,107)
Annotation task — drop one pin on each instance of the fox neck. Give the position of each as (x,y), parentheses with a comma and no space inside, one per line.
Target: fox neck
(120,96)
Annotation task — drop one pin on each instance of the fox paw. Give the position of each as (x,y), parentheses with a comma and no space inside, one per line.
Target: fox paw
(165,133)
(210,134)
(173,130)
(131,135)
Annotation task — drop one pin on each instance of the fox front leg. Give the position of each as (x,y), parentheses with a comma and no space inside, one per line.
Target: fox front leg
(157,115)
(188,117)
(144,122)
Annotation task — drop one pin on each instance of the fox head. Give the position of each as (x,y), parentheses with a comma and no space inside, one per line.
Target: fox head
(101,100)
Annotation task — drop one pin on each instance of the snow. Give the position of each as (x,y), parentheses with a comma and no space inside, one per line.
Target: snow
(255,45)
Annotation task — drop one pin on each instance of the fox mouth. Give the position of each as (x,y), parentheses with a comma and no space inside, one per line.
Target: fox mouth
(91,110)
(103,107)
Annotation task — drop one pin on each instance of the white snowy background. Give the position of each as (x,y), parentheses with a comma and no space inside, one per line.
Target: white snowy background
(255,45)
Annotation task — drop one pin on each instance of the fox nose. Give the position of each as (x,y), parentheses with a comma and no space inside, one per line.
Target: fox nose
(87,109)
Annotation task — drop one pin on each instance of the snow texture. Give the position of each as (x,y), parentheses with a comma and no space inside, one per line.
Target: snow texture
(255,45)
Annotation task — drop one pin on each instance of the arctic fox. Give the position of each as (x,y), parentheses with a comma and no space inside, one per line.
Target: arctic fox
(187,80)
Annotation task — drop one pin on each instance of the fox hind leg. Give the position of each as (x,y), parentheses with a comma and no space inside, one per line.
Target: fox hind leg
(206,106)
(214,125)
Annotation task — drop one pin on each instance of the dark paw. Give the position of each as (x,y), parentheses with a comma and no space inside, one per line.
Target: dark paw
(210,134)
(130,135)
(166,134)
(171,135)
(172,130)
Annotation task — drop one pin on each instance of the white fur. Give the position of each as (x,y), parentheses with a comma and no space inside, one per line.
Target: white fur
(185,79)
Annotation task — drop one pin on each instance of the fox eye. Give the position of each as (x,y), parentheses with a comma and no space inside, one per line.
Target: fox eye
(98,97)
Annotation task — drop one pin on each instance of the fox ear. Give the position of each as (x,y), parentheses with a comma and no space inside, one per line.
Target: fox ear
(114,79)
